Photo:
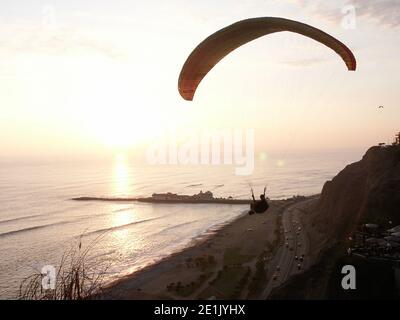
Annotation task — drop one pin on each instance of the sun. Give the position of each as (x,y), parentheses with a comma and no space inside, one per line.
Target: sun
(121,131)
(115,110)
(119,128)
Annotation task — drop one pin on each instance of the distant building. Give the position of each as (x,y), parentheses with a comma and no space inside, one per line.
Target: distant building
(164,196)
(173,196)
(204,195)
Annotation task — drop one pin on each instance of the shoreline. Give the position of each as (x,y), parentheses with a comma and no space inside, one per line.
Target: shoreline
(164,201)
(151,281)
(195,241)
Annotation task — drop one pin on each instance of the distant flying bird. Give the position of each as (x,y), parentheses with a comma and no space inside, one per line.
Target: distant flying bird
(380,107)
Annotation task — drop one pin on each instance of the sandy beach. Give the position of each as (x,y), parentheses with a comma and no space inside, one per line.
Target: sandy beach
(235,262)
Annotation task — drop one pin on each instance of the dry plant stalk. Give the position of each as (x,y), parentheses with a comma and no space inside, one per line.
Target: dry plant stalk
(78,277)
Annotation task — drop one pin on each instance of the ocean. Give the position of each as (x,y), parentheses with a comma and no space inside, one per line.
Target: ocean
(39,222)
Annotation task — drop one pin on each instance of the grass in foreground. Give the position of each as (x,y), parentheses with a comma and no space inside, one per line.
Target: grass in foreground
(78,276)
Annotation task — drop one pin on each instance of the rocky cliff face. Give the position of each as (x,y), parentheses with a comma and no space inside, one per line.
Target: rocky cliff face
(365,191)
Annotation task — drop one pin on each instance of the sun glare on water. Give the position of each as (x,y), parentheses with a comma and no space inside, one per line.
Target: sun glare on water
(121,176)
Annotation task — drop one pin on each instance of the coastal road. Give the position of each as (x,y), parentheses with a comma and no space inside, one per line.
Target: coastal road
(295,243)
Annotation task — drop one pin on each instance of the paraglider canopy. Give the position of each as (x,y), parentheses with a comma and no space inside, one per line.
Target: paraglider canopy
(209,52)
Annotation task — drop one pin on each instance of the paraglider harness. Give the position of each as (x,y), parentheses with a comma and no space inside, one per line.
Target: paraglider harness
(259,206)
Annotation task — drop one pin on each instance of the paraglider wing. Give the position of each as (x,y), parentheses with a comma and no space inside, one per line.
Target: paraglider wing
(209,52)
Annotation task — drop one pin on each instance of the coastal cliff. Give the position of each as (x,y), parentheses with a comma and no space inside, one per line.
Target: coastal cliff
(367,191)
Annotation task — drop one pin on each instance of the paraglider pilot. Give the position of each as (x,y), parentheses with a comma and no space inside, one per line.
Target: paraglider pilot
(259,206)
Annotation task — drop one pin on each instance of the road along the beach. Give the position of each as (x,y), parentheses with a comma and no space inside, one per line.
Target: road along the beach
(293,255)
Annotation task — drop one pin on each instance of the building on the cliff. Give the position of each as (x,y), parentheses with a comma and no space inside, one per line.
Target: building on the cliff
(397,139)
(373,242)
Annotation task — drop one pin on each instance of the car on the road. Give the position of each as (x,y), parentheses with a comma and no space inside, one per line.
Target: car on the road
(301,259)
(274,277)
(278,268)
(296,257)
(287,245)
(299,228)
(299,266)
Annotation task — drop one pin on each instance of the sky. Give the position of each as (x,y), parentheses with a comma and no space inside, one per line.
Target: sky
(97,77)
